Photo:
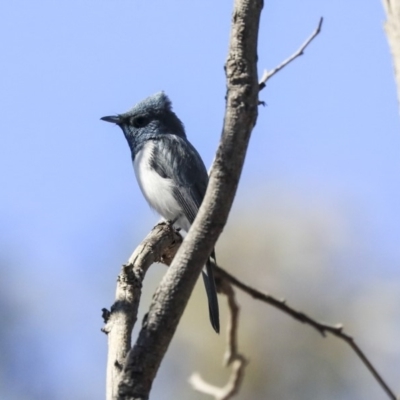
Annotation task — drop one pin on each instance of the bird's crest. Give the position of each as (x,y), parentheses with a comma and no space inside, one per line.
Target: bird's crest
(157,103)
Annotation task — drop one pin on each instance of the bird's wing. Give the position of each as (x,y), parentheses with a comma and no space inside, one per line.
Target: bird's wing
(185,168)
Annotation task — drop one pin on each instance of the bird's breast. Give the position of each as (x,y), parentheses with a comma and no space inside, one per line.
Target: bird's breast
(157,190)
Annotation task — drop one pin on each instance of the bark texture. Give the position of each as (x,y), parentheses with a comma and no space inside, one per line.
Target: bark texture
(160,245)
(172,295)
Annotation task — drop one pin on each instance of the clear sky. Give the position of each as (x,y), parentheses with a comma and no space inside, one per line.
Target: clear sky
(70,209)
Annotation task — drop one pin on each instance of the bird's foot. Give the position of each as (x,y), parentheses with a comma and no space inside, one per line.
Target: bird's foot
(171,224)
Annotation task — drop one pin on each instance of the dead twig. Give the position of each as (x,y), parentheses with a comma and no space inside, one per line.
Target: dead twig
(269,74)
(160,246)
(322,328)
(232,356)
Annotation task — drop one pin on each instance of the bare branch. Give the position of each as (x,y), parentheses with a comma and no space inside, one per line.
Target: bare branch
(232,356)
(232,352)
(160,245)
(322,328)
(269,74)
(174,290)
(392,29)
(169,301)
(228,391)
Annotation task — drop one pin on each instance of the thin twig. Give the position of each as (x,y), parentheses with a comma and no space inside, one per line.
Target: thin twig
(232,356)
(160,246)
(233,323)
(269,74)
(322,328)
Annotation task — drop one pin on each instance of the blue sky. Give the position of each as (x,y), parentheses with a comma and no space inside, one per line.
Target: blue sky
(70,209)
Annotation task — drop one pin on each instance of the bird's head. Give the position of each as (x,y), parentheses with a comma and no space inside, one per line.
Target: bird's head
(147,120)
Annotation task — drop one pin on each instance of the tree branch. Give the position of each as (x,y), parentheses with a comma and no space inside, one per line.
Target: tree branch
(160,245)
(232,356)
(322,328)
(170,299)
(176,286)
(392,29)
(269,74)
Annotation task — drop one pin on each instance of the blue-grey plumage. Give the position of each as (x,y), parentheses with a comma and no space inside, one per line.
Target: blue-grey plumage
(169,170)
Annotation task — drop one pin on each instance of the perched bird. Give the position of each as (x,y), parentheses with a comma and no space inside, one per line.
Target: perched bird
(169,170)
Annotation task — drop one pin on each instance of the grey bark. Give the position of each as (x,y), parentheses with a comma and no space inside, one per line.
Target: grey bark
(160,245)
(175,288)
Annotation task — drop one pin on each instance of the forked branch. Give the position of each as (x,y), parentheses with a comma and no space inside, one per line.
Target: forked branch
(160,245)
(322,328)
(173,292)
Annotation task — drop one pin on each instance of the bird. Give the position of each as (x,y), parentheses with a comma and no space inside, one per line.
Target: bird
(169,170)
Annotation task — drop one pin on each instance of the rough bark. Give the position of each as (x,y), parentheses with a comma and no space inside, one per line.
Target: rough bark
(175,288)
(160,245)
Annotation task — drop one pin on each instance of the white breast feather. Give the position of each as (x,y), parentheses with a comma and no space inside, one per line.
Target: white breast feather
(156,190)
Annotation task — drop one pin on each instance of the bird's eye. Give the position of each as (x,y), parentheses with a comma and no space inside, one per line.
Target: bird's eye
(138,122)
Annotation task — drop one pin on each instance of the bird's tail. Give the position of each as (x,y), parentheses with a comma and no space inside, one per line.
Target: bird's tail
(209,283)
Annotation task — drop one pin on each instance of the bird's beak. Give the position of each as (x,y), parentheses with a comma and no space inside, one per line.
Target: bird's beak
(112,118)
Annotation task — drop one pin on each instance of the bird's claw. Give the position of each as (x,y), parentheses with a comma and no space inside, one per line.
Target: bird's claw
(171,224)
